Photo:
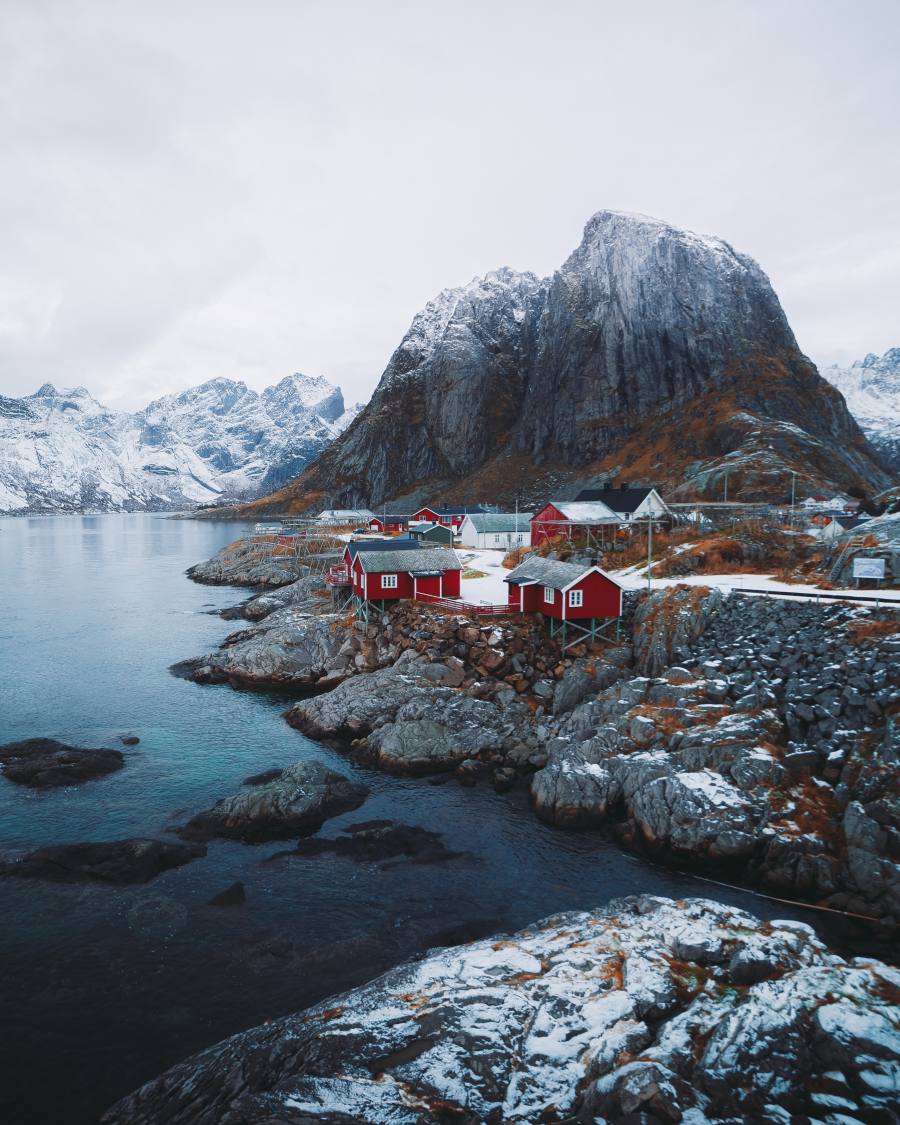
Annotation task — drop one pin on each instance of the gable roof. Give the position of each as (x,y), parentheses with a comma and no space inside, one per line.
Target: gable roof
(428,528)
(619,499)
(390,517)
(361,515)
(499,522)
(427,560)
(369,545)
(585,512)
(550,572)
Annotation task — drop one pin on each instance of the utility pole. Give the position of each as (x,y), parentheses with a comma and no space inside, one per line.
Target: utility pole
(650,552)
(793,494)
(726,486)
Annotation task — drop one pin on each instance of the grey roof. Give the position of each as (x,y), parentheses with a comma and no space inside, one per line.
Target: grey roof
(357,545)
(428,528)
(454,511)
(547,572)
(499,522)
(425,561)
(390,517)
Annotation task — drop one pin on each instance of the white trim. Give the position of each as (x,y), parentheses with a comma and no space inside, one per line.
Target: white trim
(572,595)
(388,581)
(552,592)
(593,570)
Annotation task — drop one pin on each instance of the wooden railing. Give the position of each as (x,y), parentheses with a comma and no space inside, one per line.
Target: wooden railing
(474,609)
(338,576)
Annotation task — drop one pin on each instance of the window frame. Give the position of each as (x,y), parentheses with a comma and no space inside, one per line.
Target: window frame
(549,595)
(576,599)
(389,581)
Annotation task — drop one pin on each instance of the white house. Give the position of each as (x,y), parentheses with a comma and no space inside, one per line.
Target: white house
(628,503)
(496,529)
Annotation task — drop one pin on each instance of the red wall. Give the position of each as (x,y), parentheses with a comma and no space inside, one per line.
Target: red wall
(542,530)
(374,592)
(426,514)
(431,585)
(601,599)
(451,583)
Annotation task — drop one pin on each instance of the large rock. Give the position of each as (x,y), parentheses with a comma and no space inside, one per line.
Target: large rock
(298,799)
(305,593)
(289,648)
(640,1011)
(118,862)
(44,763)
(243,563)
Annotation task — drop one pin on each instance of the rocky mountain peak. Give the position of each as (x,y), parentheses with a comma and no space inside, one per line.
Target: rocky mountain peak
(653,351)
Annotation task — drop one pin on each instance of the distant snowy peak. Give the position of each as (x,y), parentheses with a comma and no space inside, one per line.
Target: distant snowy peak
(61,450)
(871,387)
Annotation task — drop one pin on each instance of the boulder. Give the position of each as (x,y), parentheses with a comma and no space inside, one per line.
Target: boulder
(118,862)
(299,799)
(44,763)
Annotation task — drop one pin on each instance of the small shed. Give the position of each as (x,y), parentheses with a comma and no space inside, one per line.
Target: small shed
(578,599)
(434,533)
(346,515)
(629,503)
(504,530)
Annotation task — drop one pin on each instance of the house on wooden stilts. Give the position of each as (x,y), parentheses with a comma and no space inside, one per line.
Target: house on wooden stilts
(584,603)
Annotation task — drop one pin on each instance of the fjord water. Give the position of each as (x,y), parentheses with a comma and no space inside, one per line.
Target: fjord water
(101,988)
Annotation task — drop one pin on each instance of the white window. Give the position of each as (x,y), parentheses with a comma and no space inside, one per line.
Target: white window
(389,581)
(549,595)
(576,599)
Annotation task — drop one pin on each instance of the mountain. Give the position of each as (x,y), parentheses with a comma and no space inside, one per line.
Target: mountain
(653,353)
(62,451)
(871,387)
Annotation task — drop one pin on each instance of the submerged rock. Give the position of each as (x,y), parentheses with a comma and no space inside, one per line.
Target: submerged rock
(298,799)
(641,1011)
(119,862)
(235,895)
(44,763)
(379,840)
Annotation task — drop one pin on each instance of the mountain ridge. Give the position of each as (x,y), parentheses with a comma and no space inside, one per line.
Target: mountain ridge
(63,451)
(652,351)
(871,388)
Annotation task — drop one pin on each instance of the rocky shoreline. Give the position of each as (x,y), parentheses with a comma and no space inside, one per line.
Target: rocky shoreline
(646,1010)
(753,737)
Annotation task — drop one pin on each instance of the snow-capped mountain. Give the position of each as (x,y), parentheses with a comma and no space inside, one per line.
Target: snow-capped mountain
(871,387)
(62,451)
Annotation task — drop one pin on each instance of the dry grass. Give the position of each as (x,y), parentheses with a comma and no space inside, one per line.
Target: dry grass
(470,573)
(871,632)
(515,556)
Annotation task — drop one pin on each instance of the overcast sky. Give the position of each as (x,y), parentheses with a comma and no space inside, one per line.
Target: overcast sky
(247,189)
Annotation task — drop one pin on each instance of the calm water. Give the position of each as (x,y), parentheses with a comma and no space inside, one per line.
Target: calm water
(102,988)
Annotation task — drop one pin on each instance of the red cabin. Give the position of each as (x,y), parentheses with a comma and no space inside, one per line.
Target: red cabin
(563,591)
(387,523)
(389,575)
(448,517)
(570,519)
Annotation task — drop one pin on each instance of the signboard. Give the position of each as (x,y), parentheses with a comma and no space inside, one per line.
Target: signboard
(868,568)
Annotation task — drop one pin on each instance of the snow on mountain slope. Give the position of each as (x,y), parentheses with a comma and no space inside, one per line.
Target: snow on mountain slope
(62,451)
(871,387)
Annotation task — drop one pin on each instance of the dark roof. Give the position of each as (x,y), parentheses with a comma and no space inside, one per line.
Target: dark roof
(357,545)
(619,499)
(849,522)
(427,561)
(431,529)
(390,518)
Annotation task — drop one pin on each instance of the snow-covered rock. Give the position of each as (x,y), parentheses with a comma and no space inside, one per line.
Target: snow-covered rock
(871,387)
(647,1010)
(62,451)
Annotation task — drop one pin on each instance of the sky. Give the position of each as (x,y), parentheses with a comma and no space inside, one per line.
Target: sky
(199,189)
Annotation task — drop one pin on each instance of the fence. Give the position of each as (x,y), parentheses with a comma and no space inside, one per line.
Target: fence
(472,608)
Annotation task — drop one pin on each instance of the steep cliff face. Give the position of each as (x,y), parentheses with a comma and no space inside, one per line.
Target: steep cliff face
(652,351)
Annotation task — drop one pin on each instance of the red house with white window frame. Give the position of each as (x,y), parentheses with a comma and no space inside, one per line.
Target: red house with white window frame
(563,591)
(449,517)
(389,576)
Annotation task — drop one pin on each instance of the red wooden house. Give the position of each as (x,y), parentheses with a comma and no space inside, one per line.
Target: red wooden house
(570,519)
(449,517)
(389,575)
(388,523)
(570,595)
